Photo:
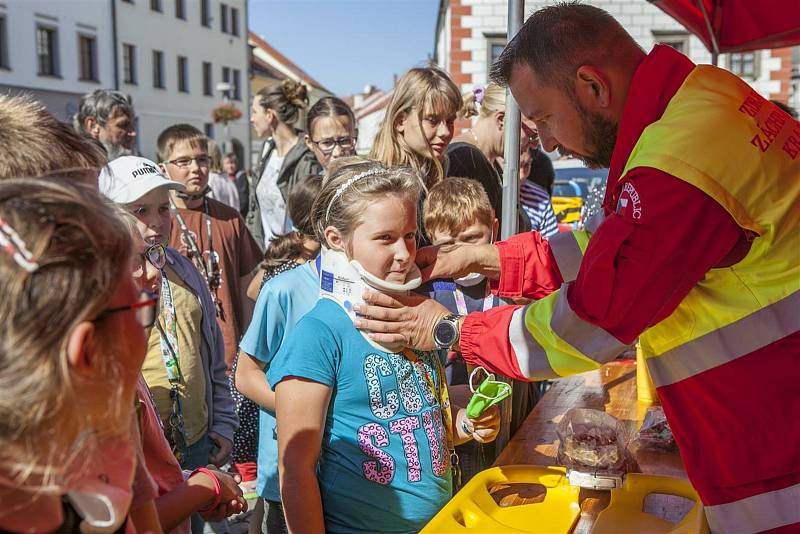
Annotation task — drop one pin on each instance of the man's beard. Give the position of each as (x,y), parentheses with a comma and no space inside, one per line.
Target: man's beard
(600,134)
(115,151)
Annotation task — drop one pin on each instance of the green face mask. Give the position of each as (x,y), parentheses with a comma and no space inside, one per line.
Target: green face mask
(489,393)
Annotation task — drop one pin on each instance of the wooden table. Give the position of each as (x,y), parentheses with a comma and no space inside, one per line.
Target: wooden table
(612,388)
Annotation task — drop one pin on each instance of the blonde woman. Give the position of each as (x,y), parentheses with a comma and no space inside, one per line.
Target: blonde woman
(474,152)
(418,125)
(72,345)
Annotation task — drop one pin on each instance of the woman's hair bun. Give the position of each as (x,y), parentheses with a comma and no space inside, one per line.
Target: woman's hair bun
(295,92)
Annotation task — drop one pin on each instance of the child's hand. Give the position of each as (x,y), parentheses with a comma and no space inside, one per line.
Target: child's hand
(231,498)
(484,429)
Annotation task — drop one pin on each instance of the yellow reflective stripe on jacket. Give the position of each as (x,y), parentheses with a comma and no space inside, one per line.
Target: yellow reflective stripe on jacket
(549,339)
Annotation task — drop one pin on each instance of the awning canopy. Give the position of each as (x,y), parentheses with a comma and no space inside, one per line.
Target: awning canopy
(738,25)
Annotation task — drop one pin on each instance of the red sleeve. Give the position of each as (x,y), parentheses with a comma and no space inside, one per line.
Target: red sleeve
(643,260)
(639,265)
(527,267)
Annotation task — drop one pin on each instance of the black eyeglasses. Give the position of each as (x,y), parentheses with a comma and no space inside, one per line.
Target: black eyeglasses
(326,146)
(182,163)
(145,309)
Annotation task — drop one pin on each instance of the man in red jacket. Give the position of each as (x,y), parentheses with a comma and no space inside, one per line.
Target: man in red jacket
(669,254)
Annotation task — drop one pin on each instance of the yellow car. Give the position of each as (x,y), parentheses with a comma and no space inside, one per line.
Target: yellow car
(572,184)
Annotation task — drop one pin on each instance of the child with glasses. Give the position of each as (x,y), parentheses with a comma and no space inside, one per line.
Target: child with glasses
(67,381)
(209,233)
(184,366)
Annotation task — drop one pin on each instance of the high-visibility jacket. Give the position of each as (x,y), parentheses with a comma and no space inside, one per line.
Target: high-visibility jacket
(748,163)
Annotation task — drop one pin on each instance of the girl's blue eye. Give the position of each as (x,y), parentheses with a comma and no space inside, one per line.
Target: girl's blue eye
(139,211)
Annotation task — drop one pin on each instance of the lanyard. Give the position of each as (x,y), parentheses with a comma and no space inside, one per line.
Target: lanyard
(461,304)
(169,332)
(440,390)
(168,340)
(210,268)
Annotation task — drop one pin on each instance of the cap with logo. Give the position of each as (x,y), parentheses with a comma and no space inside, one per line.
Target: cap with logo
(129,178)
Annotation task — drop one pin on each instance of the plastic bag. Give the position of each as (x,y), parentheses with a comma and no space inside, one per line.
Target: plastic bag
(655,432)
(591,440)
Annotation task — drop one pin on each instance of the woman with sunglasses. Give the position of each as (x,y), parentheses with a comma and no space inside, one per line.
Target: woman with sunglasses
(285,158)
(184,365)
(67,382)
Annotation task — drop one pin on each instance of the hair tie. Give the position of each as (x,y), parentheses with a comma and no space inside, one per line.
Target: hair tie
(342,188)
(15,247)
(479,91)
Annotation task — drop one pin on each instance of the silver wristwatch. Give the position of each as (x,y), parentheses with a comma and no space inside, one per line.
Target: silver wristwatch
(446,333)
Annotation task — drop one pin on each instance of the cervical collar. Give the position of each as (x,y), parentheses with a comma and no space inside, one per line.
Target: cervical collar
(344,282)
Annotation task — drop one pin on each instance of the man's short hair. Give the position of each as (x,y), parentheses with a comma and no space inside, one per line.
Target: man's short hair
(455,204)
(179,133)
(232,156)
(101,105)
(556,40)
(35,144)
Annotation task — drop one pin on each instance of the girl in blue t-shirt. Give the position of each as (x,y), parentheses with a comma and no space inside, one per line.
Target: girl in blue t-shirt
(364,435)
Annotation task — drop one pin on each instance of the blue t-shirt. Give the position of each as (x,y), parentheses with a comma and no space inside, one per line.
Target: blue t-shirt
(384,464)
(282,301)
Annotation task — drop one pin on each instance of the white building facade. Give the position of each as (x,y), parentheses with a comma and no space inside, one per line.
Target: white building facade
(470,34)
(56,51)
(172,54)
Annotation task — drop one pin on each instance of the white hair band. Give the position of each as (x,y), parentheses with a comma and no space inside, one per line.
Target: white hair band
(342,188)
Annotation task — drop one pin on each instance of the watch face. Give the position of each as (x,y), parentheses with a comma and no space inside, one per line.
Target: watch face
(444,334)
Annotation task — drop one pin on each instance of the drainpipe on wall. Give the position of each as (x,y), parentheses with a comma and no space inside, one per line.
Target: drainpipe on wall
(114,43)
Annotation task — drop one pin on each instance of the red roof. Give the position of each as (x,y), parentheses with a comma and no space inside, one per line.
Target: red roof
(300,73)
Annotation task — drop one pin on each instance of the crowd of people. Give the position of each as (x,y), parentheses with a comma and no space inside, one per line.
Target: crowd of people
(188,362)
(172,348)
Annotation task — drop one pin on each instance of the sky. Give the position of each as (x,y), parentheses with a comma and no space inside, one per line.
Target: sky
(348,44)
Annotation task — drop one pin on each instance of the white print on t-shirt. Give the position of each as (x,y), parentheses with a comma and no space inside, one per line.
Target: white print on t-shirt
(414,393)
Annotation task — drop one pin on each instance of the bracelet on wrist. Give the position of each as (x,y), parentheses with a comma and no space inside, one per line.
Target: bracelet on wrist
(217,489)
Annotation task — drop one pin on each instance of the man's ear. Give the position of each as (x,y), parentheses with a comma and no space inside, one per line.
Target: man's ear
(495,227)
(334,239)
(592,87)
(81,348)
(308,142)
(92,127)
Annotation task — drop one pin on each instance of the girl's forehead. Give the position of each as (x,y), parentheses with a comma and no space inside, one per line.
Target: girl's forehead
(439,104)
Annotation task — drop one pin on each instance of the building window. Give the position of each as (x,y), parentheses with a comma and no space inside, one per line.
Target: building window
(156,5)
(3,44)
(677,40)
(87,47)
(158,69)
(183,74)
(208,81)
(744,65)
(495,43)
(223,18)
(47,50)
(226,74)
(129,64)
(205,13)
(236,82)
(235,21)
(208,129)
(180,9)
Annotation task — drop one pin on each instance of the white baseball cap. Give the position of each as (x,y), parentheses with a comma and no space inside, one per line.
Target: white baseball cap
(129,178)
